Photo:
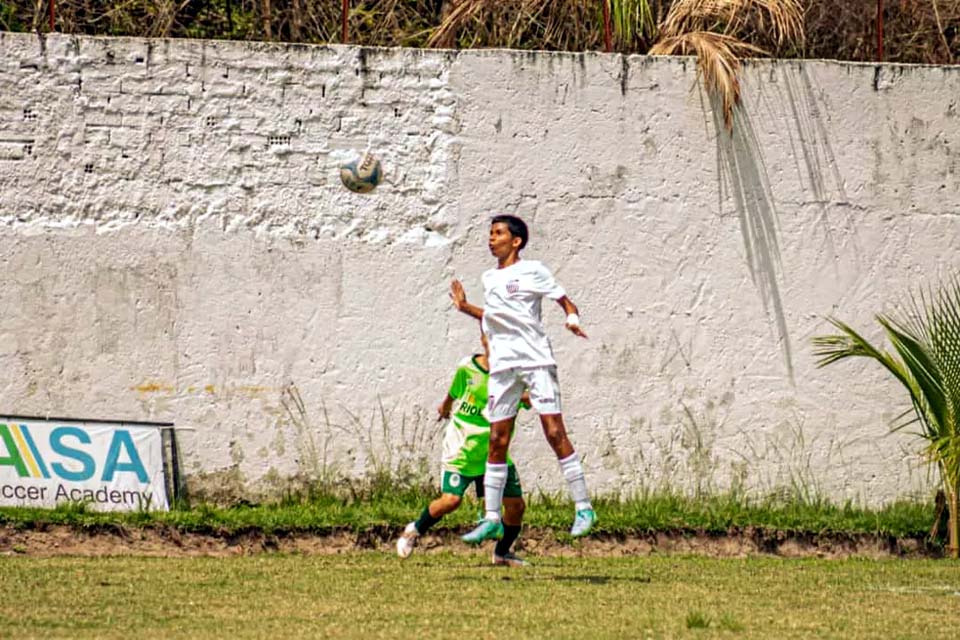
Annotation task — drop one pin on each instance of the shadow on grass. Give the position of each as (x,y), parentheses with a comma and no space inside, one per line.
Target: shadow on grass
(530,575)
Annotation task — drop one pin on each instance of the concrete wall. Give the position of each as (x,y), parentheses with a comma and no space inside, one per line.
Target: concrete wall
(177,246)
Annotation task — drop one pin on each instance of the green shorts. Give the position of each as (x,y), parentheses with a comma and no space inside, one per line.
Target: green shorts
(457,484)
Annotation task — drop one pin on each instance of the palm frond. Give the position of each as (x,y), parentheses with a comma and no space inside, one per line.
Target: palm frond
(718,61)
(927,388)
(945,342)
(945,345)
(914,315)
(850,344)
(783,19)
(712,29)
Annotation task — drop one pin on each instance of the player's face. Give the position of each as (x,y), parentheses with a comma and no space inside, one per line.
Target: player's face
(501,242)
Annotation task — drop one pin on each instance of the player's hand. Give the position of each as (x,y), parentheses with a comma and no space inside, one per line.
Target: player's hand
(458,295)
(443,412)
(576,330)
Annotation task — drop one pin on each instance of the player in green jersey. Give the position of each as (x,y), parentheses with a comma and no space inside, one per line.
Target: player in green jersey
(465,445)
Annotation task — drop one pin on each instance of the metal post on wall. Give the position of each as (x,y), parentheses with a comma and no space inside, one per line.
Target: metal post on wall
(53,13)
(175,466)
(879,30)
(344,12)
(172,465)
(607,36)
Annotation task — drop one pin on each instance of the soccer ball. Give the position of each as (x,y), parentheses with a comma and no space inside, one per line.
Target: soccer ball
(362,174)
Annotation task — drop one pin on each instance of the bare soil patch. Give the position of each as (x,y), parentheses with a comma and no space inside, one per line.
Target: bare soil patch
(57,540)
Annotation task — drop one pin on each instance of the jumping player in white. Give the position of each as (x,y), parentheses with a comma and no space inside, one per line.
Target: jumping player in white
(521,357)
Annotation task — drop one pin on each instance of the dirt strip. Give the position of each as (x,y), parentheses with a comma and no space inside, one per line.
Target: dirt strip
(56,540)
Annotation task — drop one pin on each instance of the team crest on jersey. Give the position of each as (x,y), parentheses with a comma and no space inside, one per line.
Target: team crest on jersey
(513,286)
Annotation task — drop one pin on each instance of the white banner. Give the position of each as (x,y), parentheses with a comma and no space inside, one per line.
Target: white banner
(109,466)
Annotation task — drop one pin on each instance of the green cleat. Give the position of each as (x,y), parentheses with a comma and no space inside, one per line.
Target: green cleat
(486,530)
(481,518)
(584,521)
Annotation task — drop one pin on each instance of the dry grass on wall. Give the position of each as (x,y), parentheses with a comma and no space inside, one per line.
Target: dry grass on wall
(917,31)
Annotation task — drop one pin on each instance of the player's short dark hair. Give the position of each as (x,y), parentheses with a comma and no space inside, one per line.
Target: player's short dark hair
(516,226)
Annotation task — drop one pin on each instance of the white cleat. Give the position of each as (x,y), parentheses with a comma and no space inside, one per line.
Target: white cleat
(583,523)
(407,540)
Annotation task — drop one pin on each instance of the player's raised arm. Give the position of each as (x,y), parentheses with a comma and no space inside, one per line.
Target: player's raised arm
(573,316)
(459,298)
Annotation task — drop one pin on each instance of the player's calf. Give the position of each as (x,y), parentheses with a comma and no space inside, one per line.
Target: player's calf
(513,508)
(431,515)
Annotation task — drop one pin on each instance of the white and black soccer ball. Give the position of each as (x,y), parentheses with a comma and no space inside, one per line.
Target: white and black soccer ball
(361,174)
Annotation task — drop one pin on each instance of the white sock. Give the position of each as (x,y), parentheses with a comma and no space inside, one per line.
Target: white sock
(573,472)
(494,482)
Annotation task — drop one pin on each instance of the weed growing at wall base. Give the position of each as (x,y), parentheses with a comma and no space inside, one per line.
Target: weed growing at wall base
(378,506)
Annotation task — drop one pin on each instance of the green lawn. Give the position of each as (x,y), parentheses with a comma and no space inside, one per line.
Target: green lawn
(372,595)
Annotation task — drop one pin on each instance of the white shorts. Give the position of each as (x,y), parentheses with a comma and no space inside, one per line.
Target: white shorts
(505,388)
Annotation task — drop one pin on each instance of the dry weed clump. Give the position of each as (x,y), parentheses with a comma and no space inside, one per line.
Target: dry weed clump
(918,31)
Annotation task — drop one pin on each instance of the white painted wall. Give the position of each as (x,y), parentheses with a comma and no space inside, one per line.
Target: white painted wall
(177,247)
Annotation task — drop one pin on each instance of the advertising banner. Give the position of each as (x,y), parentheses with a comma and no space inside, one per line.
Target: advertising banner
(109,466)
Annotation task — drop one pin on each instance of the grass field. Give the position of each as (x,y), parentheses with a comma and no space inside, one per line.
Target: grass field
(374,595)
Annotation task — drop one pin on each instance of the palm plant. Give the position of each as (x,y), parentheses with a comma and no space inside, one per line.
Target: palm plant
(926,337)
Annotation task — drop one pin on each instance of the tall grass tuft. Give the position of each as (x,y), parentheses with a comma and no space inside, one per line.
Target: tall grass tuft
(697,620)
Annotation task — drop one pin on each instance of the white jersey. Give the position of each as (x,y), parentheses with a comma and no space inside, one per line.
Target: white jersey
(511,314)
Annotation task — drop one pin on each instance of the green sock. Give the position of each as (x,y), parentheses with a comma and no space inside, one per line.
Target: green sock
(425,521)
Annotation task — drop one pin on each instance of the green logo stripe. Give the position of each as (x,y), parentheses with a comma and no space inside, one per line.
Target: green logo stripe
(13,457)
(31,463)
(34,450)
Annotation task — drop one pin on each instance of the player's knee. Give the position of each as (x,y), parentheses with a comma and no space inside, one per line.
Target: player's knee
(554,431)
(499,440)
(518,507)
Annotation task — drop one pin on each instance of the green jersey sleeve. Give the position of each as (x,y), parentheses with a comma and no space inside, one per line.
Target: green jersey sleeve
(459,385)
